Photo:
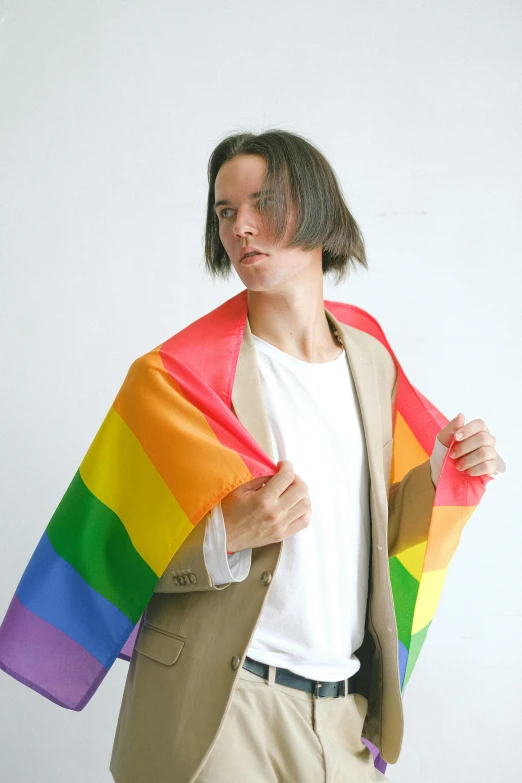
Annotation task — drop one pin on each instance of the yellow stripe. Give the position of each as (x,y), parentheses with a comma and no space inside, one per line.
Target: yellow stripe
(428,597)
(118,472)
(413,558)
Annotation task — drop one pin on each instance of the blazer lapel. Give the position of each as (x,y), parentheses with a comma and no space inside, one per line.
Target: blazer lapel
(247,394)
(364,376)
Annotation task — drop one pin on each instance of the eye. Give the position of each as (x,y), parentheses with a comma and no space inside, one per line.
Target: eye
(269,202)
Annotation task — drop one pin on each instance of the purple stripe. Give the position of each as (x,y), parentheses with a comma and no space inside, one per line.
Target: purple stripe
(126,652)
(47,660)
(378,762)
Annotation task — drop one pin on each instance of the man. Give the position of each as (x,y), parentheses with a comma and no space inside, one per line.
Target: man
(258,661)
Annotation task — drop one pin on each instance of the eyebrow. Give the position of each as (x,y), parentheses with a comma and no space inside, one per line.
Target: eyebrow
(252,195)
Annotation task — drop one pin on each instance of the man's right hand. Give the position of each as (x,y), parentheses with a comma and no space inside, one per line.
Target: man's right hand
(256,515)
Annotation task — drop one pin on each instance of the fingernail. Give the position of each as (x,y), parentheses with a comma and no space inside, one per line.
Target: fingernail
(459,436)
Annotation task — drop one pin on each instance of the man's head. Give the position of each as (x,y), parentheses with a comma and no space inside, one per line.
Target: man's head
(276,192)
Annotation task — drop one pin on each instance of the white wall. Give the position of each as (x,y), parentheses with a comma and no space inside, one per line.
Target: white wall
(110,110)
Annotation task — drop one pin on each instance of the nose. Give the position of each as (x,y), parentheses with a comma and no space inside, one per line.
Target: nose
(245,223)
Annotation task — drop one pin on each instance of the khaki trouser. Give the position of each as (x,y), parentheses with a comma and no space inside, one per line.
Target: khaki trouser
(276,734)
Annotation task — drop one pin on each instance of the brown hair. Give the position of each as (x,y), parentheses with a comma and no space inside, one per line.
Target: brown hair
(298,173)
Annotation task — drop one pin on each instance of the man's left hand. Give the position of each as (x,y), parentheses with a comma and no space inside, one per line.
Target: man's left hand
(475,452)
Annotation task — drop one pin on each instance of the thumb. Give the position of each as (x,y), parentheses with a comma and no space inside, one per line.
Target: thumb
(446,434)
(255,483)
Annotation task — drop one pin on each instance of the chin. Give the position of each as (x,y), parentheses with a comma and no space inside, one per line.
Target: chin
(255,285)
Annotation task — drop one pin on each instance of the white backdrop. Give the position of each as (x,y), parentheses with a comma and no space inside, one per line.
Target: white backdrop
(110,110)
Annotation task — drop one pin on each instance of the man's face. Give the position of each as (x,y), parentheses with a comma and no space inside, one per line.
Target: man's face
(241,223)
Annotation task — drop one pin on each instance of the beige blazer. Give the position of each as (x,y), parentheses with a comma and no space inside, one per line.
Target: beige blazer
(194,636)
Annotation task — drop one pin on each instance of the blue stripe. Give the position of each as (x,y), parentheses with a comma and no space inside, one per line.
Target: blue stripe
(53,590)
(403,660)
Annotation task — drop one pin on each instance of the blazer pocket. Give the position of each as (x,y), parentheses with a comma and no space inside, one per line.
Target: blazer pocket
(158,645)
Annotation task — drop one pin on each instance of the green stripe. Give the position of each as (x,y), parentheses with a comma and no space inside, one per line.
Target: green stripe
(417,640)
(91,537)
(405,589)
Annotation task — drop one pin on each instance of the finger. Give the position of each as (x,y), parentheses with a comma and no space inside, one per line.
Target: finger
(487,467)
(445,436)
(298,509)
(484,453)
(472,427)
(254,484)
(296,526)
(482,438)
(277,483)
(293,494)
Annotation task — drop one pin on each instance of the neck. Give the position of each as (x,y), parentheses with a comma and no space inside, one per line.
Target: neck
(293,323)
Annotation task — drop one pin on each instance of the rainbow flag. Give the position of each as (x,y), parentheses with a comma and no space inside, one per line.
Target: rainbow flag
(168,450)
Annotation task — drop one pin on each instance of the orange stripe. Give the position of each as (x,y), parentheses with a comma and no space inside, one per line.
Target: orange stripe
(407,451)
(446,526)
(177,438)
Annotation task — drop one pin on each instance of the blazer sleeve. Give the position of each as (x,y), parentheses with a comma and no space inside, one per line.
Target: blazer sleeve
(187,571)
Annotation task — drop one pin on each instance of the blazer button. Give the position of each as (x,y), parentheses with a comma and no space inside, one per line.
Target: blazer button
(193,578)
(266,577)
(235,662)
(175,580)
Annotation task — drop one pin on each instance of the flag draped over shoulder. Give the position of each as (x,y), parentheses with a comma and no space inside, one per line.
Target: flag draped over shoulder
(169,449)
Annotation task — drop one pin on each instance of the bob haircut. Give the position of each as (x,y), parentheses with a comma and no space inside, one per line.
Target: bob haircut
(298,173)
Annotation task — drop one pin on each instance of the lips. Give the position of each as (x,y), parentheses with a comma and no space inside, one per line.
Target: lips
(246,251)
(251,259)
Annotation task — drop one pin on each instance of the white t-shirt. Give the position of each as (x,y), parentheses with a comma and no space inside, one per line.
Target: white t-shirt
(314,616)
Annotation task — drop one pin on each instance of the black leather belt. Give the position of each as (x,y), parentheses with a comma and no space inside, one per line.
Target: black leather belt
(292,680)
